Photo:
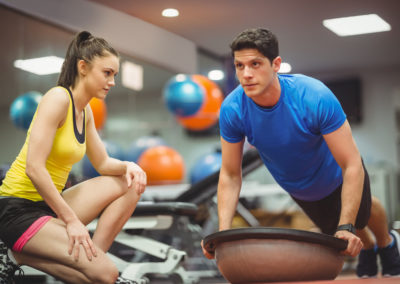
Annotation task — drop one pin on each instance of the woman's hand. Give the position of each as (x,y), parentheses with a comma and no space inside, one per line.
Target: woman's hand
(136,177)
(78,236)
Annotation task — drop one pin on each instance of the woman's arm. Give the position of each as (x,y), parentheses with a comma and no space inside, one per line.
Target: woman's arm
(51,115)
(106,165)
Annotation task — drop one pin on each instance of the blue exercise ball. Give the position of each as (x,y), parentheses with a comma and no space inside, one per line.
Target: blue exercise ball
(182,96)
(142,144)
(205,166)
(113,150)
(23,109)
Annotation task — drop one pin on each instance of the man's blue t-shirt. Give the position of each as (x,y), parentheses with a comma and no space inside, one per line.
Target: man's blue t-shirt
(288,135)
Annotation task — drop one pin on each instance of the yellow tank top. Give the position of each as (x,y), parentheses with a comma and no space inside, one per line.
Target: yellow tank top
(69,147)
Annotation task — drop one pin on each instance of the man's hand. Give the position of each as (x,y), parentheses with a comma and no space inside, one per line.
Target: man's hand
(206,253)
(354,245)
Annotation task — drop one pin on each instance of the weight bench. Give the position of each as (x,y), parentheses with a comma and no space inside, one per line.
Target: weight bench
(152,255)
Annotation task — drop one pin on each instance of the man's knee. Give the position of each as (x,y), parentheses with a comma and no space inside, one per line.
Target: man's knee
(377,207)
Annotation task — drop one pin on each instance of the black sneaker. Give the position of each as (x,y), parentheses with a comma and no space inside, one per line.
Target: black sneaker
(367,266)
(7,266)
(121,280)
(390,257)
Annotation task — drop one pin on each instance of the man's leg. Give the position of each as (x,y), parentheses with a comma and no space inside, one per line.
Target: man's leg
(377,239)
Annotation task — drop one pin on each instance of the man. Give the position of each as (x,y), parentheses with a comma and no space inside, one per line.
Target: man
(301,132)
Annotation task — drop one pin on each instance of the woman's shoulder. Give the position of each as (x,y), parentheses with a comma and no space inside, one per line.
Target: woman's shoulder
(57,94)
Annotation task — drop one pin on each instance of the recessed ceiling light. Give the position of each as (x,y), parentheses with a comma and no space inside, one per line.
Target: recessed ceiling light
(216,75)
(357,25)
(285,68)
(170,13)
(41,65)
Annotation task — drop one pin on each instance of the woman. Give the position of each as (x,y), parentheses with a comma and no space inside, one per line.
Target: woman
(44,227)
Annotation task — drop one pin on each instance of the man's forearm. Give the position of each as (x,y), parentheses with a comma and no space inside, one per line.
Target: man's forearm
(228,197)
(352,188)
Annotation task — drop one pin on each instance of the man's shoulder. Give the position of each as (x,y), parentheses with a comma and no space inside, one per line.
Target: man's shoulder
(234,97)
(299,79)
(238,91)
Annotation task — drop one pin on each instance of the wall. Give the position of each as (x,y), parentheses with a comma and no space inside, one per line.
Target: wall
(131,114)
(126,33)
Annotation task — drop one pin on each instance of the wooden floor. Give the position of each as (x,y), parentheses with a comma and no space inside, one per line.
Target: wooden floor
(351,279)
(391,280)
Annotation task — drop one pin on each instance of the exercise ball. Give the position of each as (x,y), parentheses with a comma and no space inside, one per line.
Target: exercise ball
(205,166)
(99,110)
(23,109)
(207,116)
(113,150)
(142,144)
(183,96)
(265,254)
(163,165)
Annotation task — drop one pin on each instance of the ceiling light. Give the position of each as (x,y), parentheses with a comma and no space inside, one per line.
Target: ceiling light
(357,25)
(216,75)
(40,66)
(285,68)
(170,13)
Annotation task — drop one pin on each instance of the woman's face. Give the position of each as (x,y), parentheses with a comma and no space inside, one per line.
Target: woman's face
(100,75)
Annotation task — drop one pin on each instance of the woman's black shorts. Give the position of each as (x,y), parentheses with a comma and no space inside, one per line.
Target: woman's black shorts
(20,219)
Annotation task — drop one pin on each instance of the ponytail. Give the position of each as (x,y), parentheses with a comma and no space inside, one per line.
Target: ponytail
(83,47)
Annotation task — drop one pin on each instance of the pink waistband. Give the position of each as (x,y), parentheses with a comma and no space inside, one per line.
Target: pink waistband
(28,234)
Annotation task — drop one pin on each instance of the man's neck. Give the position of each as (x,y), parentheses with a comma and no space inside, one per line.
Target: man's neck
(271,95)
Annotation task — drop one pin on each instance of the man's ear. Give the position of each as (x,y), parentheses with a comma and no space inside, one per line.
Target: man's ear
(276,63)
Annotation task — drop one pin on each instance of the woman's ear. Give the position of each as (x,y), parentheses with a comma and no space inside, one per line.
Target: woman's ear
(82,67)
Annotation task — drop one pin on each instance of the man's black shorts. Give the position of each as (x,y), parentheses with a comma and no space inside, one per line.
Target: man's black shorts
(325,213)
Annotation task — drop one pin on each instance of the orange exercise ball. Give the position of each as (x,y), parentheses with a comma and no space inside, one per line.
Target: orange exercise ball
(208,113)
(99,110)
(163,165)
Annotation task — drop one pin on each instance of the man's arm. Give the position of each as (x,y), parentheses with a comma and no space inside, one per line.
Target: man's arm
(229,185)
(346,154)
(230,182)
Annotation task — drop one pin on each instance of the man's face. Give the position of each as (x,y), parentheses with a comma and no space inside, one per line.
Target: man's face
(255,71)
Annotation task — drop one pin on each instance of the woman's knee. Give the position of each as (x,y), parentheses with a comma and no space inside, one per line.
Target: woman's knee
(106,273)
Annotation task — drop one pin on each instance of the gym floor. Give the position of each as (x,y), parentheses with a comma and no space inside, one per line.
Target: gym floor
(340,280)
(343,278)
(347,276)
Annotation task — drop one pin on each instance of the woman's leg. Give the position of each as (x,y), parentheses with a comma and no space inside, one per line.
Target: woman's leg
(47,251)
(105,195)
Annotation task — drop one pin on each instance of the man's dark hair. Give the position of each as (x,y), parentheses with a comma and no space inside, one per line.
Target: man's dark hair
(261,39)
